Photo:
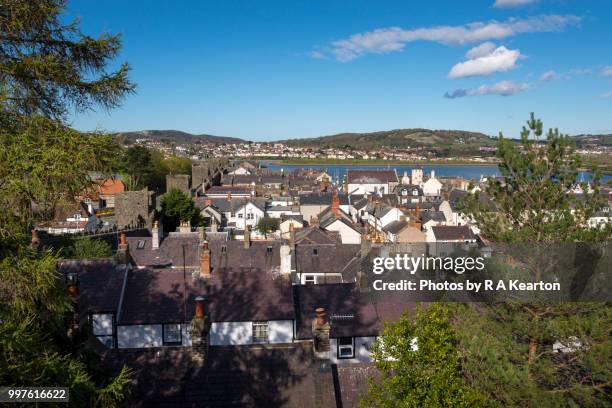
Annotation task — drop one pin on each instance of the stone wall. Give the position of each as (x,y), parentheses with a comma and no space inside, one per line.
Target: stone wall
(134,208)
(180,181)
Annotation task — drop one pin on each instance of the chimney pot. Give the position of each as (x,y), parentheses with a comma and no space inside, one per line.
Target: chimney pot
(199,307)
(35,239)
(320,313)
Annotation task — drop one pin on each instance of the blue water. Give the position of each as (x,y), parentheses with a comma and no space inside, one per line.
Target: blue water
(468,172)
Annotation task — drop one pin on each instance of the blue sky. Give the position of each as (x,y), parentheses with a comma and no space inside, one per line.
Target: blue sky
(279,69)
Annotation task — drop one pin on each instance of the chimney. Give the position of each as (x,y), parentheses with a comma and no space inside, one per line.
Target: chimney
(320,334)
(247,237)
(199,307)
(73,284)
(291,234)
(433,174)
(202,234)
(199,332)
(285,259)
(335,205)
(204,260)
(35,239)
(208,202)
(155,235)
(213,225)
(123,250)
(229,196)
(314,221)
(185,227)
(417,213)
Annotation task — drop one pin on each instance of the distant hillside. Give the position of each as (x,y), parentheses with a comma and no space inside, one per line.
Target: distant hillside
(604,140)
(175,136)
(456,140)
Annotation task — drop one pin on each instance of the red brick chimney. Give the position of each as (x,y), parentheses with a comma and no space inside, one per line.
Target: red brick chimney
(417,213)
(204,260)
(122,241)
(35,240)
(199,307)
(122,252)
(335,206)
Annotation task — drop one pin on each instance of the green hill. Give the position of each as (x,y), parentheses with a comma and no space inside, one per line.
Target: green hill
(175,136)
(457,141)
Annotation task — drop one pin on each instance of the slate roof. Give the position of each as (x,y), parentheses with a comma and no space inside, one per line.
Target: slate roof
(395,226)
(157,296)
(247,376)
(316,235)
(246,283)
(169,253)
(453,233)
(350,312)
(100,282)
(296,217)
(437,216)
(228,190)
(334,258)
(371,176)
(410,188)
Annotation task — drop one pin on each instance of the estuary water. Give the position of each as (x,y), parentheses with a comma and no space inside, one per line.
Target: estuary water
(467,171)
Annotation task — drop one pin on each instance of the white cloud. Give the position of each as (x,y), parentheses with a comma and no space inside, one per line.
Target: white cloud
(512,3)
(503,88)
(606,95)
(393,39)
(500,59)
(549,76)
(606,71)
(481,50)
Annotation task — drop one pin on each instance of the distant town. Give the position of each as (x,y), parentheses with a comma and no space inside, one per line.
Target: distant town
(590,147)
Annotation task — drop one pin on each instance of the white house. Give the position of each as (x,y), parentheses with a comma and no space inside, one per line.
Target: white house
(432,187)
(378,182)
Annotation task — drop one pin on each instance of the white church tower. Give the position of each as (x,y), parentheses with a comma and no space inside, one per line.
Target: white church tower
(417,176)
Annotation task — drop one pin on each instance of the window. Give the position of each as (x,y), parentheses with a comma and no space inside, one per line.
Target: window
(103,328)
(250,216)
(224,249)
(260,332)
(309,280)
(269,249)
(140,244)
(346,347)
(172,335)
(315,252)
(415,192)
(240,215)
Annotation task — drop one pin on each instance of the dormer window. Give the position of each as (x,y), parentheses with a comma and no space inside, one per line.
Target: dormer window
(315,252)
(224,249)
(269,249)
(140,244)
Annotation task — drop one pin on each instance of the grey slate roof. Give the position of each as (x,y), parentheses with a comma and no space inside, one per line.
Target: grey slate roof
(437,216)
(371,176)
(100,282)
(453,233)
(395,226)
